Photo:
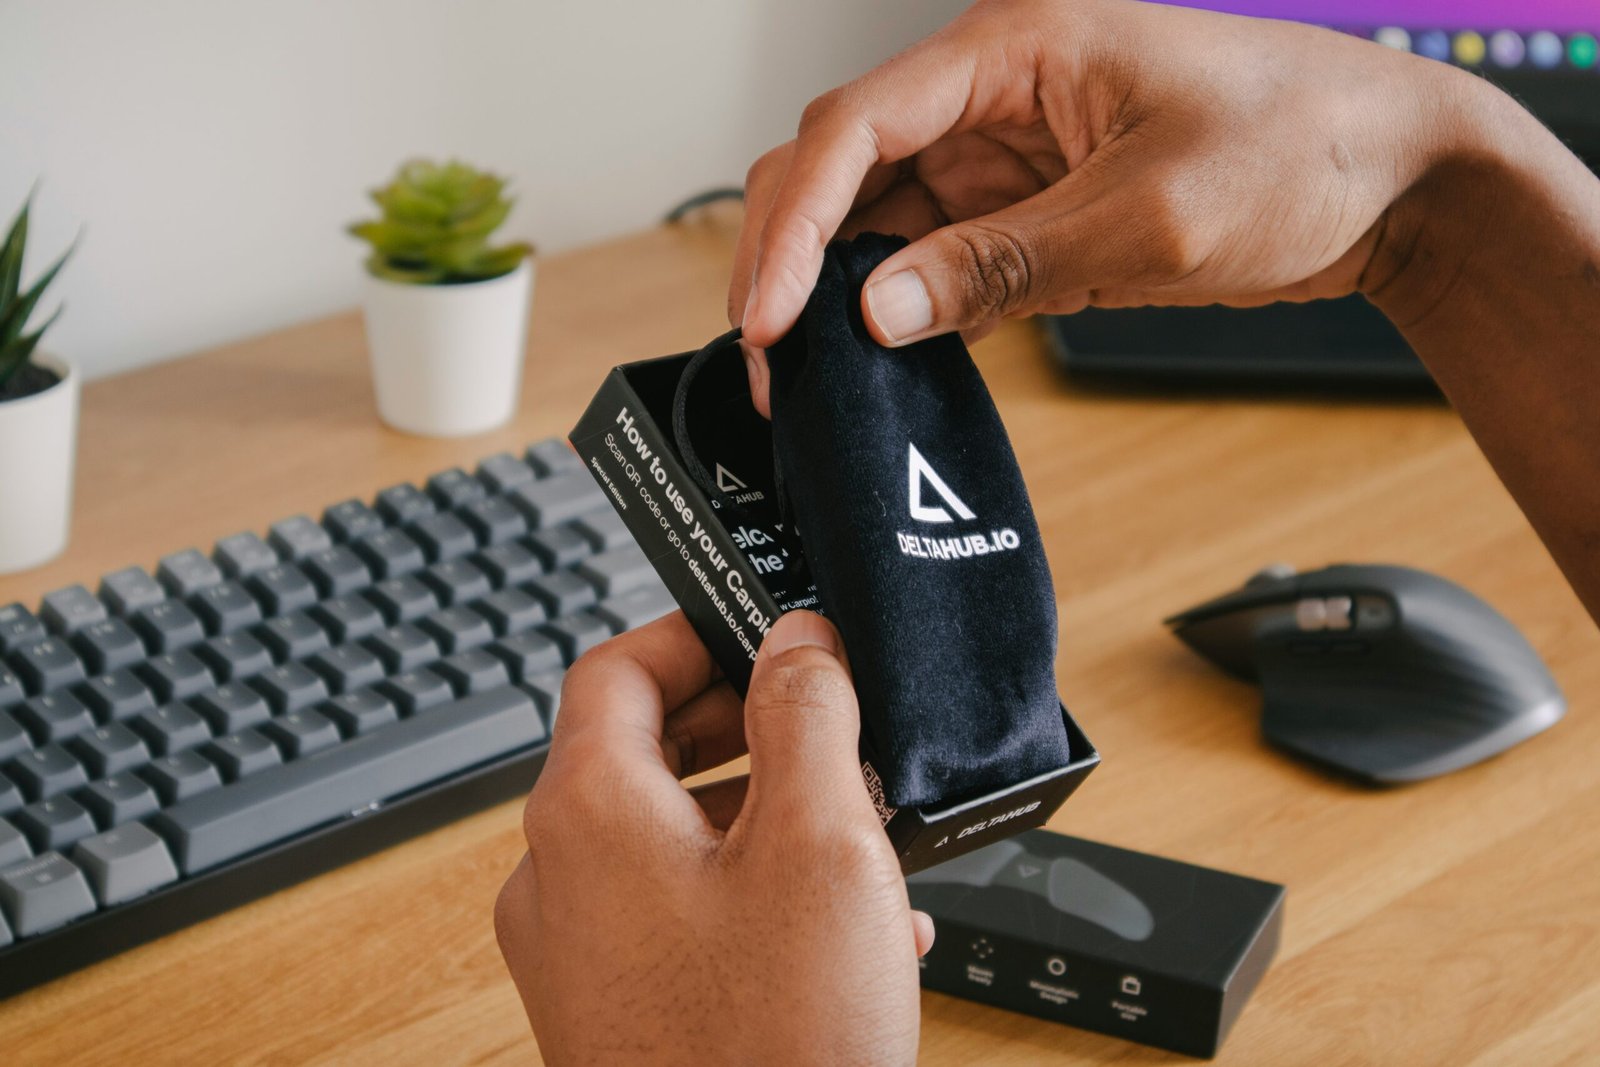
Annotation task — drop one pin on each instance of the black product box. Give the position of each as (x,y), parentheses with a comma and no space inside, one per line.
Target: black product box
(1124,943)
(734,574)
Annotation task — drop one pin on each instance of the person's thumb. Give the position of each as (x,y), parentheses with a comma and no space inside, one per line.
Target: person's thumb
(1034,254)
(802,724)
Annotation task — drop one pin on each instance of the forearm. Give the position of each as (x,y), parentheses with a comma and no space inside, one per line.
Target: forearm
(1490,265)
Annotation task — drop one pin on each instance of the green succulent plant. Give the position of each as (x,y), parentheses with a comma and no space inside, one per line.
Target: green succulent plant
(16,305)
(436,223)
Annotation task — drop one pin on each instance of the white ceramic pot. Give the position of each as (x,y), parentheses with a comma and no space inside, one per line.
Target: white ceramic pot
(38,442)
(447,359)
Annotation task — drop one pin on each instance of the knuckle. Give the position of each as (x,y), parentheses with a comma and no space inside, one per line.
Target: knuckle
(1175,245)
(756,177)
(996,269)
(511,906)
(821,110)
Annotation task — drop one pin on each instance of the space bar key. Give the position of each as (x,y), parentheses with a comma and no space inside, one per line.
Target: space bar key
(282,801)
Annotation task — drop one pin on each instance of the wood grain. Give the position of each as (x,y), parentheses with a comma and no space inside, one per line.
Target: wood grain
(1456,921)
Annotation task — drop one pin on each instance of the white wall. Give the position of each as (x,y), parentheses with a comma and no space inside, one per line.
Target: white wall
(211,150)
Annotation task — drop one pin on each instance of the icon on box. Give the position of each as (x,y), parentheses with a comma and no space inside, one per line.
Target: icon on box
(1056,966)
(1393,37)
(1435,44)
(1131,985)
(982,949)
(1506,48)
(1469,48)
(1545,50)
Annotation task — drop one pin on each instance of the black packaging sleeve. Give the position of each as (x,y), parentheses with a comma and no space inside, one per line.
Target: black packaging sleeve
(906,497)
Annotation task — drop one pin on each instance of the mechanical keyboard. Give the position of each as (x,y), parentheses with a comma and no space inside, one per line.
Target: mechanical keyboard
(175,744)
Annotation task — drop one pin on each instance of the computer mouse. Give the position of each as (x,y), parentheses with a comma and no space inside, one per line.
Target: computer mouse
(1071,886)
(1386,673)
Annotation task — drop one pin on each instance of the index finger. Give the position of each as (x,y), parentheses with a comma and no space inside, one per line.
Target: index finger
(884,116)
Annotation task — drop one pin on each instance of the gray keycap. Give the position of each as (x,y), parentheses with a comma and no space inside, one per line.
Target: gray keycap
(119,695)
(416,691)
(493,520)
(403,648)
(18,627)
(290,687)
(349,617)
(337,571)
(230,707)
(604,529)
(360,712)
(457,629)
(557,498)
(546,690)
(108,646)
(244,554)
(473,671)
(562,592)
(46,771)
(281,801)
(168,626)
(456,581)
(11,792)
(509,564)
(124,863)
(48,664)
(13,844)
(239,754)
(172,728)
(235,656)
(293,636)
(175,675)
(455,487)
(11,691)
(225,607)
(404,502)
(54,823)
(510,611)
(442,536)
(55,717)
(298,536)
(13,738)
(181,776)
(283,588)
(619,570)
(301,733)
(351,520)
(551,456)
(390,553)
(577,634)
(128,590)
(71,609)
(347,667)
(636,608)
(186,573)
(402,599)
(119,799)
(110,749)
(528,654)
(560,547)
(503,471)
(42,893)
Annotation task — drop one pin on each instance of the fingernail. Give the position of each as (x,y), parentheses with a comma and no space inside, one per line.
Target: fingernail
(798,629)
(754,366)
(749,307)
(900,305)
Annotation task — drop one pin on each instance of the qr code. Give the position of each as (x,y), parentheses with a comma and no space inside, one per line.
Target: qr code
(875,791)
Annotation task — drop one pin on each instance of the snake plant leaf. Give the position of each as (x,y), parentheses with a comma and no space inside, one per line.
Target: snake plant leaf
(496,262)
(11,255)
(15,354)
(15,315)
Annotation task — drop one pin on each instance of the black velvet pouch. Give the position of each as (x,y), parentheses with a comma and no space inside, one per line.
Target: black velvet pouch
(900,482)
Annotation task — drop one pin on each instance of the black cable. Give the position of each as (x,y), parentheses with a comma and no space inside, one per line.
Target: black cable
(699,200)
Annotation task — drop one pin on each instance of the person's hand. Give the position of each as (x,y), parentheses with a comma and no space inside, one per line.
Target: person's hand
(760,919)
(1047,155)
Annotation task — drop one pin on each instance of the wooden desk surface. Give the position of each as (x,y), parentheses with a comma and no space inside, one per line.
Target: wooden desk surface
(1456,921)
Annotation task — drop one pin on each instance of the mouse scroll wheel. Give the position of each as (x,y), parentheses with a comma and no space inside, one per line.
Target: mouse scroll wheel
(1272,572)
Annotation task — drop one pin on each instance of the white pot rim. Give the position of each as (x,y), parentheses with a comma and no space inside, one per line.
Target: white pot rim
(49,361)
(524,268)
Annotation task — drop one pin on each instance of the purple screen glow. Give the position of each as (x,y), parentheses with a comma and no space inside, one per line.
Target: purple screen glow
(1561,16)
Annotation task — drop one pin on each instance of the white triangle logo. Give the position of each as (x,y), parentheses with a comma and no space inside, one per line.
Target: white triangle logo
(727,481)
(919,471)
(1028,870)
